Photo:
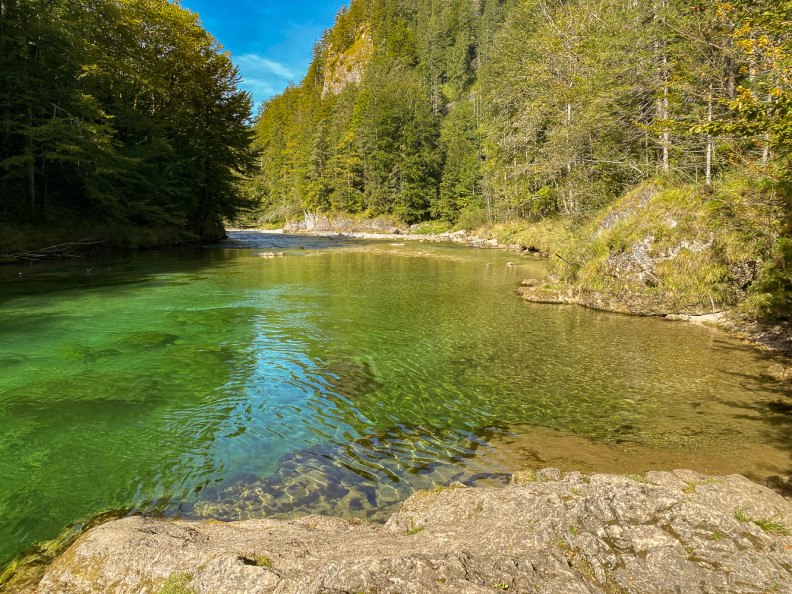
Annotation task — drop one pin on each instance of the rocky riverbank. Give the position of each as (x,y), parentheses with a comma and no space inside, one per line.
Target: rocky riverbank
(460,237)
(664,532)
(668,252)
(385,228)
(650,254)
(774,337)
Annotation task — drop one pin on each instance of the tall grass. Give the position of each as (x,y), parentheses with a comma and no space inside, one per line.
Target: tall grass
(706,246)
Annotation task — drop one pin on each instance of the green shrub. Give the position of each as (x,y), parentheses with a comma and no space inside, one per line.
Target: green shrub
(770,297)
(177,584)
(472,219)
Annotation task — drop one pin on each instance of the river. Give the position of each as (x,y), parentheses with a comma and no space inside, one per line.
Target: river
(215,383)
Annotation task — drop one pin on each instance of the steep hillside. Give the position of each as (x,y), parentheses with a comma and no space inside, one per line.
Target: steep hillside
(344,67)
(525,116)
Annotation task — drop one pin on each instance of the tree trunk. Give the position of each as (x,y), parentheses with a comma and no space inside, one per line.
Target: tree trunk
(44,191)
(569,123)
(710,146)
(766,149)
(435,92)
(31,168)
(662,101)
(731,75)
(666,139)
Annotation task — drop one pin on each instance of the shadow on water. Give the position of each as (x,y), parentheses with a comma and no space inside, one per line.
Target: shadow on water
(103,273)
(774,410)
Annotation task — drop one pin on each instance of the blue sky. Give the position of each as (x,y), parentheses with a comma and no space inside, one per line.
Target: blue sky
(271,42)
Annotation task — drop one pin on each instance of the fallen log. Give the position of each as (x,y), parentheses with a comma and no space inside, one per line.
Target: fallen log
(61,250)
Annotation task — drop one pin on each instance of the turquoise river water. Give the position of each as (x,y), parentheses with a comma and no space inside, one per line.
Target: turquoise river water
(214,383)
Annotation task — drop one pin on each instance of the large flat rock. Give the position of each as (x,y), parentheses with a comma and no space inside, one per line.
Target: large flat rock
(665,532)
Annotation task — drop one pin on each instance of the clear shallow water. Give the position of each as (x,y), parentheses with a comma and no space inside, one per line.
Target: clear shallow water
(339,378)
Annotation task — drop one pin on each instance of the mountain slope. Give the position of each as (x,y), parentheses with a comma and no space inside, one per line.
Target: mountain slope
(525,113)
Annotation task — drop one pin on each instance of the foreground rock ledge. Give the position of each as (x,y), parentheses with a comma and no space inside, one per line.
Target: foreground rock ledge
(665,532)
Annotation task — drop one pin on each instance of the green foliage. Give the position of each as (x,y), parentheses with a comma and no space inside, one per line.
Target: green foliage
(772,527)
(123,112)
(262,561)
(479,113)
(461,177)
(716,536)
(472,218)
(177,584)
(636,477)
(740,516)
(522,109)
(431,228)
(378,146)
(770,297)
(769,525)
(691,487)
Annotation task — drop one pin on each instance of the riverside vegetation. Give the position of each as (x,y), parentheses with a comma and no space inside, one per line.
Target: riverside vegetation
(646,144)
(120,122)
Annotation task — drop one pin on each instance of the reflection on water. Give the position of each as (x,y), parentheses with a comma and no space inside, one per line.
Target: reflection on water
(339,379)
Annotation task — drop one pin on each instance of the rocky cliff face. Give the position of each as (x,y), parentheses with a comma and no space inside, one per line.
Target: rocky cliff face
(322,223)
(665,532)
(343,68)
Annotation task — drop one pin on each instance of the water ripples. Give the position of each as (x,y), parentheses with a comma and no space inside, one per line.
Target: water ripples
(218,384)
(367,477)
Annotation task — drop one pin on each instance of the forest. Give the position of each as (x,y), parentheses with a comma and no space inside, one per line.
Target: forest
(530,118)
(525,108)
(117,115)
(479,112)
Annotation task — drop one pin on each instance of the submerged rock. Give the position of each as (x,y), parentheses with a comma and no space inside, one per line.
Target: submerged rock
(363,478)
(665,532)
(779,372)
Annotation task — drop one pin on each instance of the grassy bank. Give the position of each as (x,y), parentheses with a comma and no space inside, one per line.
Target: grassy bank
(686,245)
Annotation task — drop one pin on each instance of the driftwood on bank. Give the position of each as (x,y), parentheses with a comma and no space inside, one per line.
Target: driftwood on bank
(62,250)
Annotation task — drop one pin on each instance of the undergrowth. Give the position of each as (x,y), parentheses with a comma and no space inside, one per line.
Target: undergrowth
(16,239)
(770,297)
(706,248)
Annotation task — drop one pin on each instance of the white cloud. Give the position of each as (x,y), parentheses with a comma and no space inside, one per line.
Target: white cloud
(254,66)
(260,89)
